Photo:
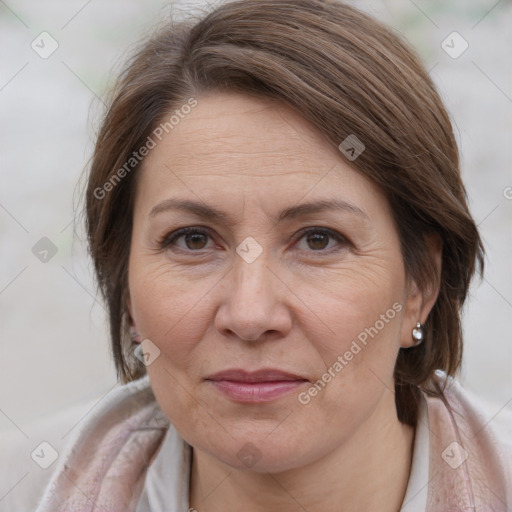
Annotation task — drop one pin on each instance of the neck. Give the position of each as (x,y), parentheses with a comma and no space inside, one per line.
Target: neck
(368,472)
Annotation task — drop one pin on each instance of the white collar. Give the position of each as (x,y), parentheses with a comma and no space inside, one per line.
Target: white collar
(415,499)
(166,488)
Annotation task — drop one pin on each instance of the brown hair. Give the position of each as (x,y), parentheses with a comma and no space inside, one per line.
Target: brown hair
(347,74)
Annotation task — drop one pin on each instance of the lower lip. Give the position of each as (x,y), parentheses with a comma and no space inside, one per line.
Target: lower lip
(256,392)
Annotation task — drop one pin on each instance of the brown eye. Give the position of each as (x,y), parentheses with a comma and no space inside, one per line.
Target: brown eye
(318,241)
(195,240)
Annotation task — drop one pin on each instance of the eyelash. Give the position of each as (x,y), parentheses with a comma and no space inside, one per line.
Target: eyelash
(171,238)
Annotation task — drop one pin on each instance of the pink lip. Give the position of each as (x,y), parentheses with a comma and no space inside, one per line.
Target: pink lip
(255,387)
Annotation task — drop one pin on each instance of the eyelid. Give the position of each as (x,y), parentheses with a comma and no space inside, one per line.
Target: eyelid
(320,229)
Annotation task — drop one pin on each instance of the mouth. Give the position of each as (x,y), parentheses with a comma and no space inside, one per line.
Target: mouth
(258,386)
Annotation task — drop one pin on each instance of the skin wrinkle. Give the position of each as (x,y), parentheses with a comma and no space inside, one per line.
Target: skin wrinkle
(204,145)
(215,311)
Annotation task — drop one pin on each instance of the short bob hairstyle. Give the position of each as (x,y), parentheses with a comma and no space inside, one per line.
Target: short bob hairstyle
(346,73)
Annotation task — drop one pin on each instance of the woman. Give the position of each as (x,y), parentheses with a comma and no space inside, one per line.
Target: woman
(275,212)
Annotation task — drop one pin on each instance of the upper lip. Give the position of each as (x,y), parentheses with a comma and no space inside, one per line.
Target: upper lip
(263,375)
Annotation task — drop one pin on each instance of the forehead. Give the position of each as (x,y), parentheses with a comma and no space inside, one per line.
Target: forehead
(234,130)
(230,142)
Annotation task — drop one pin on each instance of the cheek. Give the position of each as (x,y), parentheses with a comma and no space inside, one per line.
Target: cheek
(172,312)
(361,301)
(170,309)
(357,328)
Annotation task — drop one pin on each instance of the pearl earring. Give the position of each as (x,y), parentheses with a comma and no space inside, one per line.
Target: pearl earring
(418,333)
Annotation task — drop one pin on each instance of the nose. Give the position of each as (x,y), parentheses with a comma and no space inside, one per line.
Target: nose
(254,304)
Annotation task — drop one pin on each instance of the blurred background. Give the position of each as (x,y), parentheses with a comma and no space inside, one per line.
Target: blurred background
(58,60)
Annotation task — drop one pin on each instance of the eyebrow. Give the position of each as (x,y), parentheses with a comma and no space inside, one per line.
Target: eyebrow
(214,214)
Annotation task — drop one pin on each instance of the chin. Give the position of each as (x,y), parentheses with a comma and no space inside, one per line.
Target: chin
(261,454)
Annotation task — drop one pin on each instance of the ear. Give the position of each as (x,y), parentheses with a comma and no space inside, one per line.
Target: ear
(419,302)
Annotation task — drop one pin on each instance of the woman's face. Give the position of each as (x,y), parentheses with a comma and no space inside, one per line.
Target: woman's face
(291,267)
